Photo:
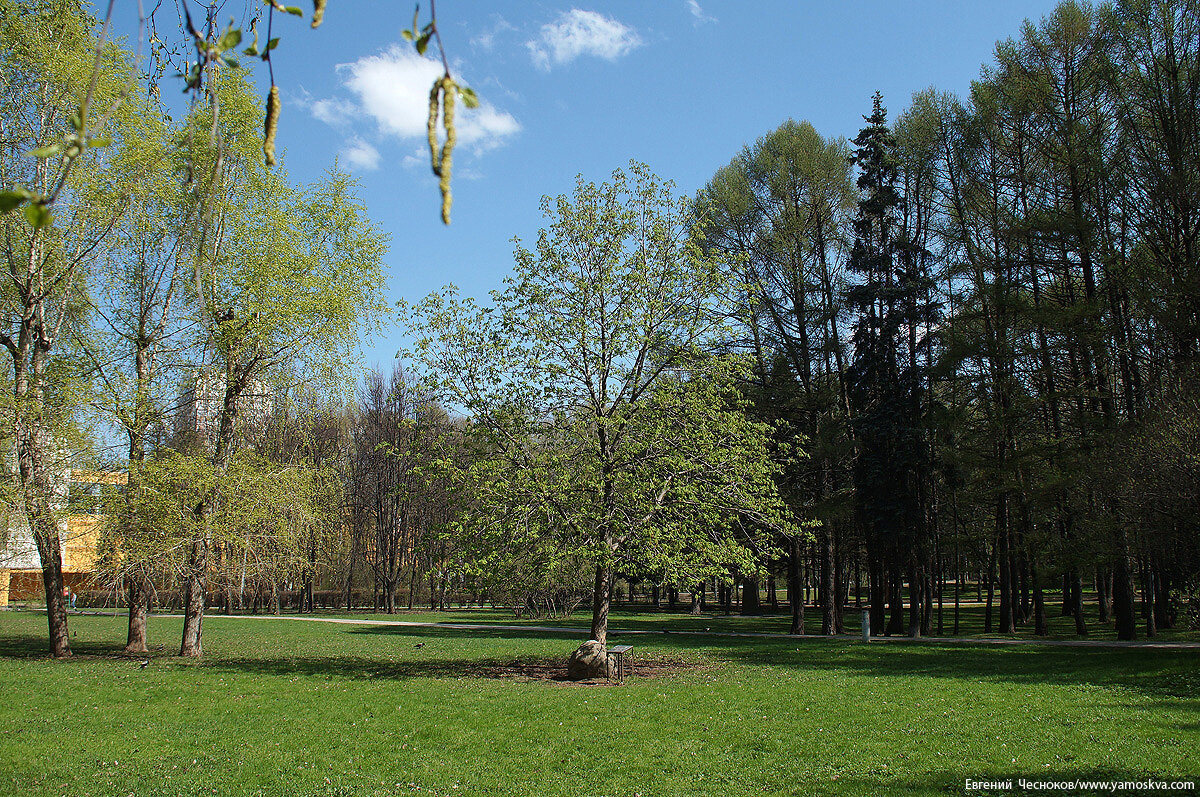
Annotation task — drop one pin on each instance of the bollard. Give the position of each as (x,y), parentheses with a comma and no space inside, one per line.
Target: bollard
(866,625)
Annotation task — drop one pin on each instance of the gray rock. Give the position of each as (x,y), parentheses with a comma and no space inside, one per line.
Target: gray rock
(590,660)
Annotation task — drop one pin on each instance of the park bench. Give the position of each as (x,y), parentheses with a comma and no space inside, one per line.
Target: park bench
(621,655)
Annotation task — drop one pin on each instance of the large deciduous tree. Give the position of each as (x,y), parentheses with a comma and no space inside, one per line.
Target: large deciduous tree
(285,279)
(604,428)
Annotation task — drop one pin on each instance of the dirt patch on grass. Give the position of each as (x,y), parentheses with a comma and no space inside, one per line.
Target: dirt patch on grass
(555,670)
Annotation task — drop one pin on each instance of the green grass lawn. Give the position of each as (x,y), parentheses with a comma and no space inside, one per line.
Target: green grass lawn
(295,708)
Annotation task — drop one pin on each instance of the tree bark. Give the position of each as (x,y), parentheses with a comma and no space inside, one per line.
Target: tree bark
(601,600)
(139,599)
(795,590)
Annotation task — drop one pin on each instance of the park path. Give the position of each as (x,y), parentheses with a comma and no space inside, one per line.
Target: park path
(1066,643)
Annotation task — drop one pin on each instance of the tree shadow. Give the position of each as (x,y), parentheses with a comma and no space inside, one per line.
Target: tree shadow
(551,669)
(1159,673)
(36,647)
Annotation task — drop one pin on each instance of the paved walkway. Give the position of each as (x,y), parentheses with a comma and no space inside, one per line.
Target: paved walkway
(1066,643)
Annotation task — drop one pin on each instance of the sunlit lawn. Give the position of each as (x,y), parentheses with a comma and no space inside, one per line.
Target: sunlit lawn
(294,708)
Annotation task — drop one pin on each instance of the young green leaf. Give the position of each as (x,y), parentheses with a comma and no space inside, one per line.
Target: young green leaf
(11,200)
(48,151)
(231,38)
(469,97)
(37,215)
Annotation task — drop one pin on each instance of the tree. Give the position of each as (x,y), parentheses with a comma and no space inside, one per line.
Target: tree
(49,60)
(598,417)
(138,304)
(284,285)
(780,211)
(886,378)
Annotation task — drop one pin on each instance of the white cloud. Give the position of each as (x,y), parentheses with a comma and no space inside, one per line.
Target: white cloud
(698,13)
(576,33)
(392,87)
(333,112)
(485,40)
(361,155)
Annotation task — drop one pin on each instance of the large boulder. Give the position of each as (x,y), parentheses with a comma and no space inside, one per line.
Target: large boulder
(590,660)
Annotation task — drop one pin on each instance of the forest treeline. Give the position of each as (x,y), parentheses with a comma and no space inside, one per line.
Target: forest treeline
(955,354)
(983,319)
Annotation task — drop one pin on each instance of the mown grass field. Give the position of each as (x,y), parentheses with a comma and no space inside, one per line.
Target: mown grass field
(283,707)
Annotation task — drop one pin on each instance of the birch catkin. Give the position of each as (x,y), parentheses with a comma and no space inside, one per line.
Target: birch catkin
(318,12)
(271,125)
(431,127)
(448,147)
(441,98)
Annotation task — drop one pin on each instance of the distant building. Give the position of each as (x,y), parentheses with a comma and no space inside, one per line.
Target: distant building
(77,499)
(200,406)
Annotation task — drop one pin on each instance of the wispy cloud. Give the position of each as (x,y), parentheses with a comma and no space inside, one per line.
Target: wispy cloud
(333,112)
(361,155)
(578,33)
(486,39)
(698,13)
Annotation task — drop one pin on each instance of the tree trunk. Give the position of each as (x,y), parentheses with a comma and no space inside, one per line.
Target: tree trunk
(601,600)
(750,599)
(1103,597)
(56,606)
(139,599)
(1123,597)
(193,604)
(795,590)
(1077,603)
(829,605)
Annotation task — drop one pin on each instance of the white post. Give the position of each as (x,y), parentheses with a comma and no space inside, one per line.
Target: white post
(866,625)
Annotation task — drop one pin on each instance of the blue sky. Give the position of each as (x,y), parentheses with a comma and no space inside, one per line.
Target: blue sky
(570,88)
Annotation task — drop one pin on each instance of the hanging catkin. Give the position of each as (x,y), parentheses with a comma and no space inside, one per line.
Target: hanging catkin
(271,125)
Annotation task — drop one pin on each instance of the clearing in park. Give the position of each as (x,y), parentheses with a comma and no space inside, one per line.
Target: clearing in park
(291,707)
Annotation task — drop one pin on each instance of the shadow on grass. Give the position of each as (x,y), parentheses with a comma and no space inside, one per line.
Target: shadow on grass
(539,668)
(1162,674)
(36,647)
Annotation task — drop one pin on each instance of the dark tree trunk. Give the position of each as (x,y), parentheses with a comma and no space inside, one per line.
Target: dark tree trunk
(1149,601)
(1077,603)
(1103,596)
(601,600)
(1040,626)
(139,600)
(750,598)
(878,590)
(829,603)
(1123,598)
(795,591)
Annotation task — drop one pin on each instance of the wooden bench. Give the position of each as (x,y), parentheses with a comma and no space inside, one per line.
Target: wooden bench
(623,655)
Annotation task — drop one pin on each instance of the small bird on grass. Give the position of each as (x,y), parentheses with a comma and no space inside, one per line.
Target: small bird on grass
(420,644)
(144,664)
